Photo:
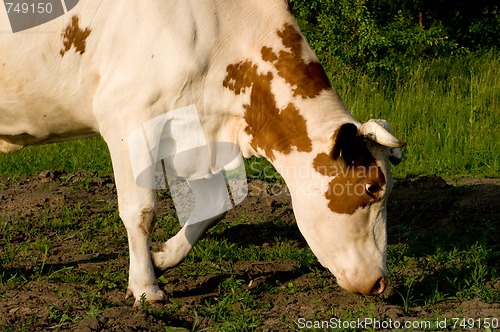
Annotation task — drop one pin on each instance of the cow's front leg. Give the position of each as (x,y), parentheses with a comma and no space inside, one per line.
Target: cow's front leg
(137,207)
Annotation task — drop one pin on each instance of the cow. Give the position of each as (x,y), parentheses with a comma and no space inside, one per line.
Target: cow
(107,67)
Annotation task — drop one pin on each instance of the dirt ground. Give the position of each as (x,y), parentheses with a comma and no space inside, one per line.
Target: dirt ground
(427,204)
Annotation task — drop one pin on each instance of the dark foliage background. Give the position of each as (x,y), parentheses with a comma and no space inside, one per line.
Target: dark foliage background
(385,37)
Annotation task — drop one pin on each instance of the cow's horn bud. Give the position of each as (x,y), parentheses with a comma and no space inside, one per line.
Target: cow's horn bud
(379,131)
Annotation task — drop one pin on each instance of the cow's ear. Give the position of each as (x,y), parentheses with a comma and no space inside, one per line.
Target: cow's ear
(344,143)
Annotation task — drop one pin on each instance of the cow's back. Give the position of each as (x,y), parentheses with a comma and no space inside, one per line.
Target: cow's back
(160,55)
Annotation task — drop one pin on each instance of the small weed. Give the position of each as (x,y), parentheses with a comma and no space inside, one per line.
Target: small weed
(407,296)
(94,311)
(57,316)
(144,302)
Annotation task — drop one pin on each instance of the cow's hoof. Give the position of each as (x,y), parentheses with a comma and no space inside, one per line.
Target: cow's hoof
(156,298)
(165,258)
(162,261)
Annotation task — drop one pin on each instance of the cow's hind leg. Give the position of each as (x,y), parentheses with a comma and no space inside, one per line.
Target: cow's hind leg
(176,248)
(137,208)
(211,206)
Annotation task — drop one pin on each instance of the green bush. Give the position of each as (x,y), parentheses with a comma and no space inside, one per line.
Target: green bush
(384,37)
(348,36)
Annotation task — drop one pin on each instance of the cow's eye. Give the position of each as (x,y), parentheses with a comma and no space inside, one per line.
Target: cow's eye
(372,189)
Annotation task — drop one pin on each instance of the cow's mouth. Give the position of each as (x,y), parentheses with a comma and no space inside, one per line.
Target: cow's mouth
(375,288)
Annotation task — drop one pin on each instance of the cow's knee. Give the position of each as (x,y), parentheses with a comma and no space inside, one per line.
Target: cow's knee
(6,147)
(141,218)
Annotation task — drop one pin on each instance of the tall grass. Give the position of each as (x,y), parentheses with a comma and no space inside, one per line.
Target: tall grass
(447,110)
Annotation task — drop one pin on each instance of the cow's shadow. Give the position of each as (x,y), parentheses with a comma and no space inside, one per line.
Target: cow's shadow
(449,235)
(51,269)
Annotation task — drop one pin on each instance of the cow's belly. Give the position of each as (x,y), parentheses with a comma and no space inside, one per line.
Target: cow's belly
(12,143)
(32,124)
(41,105)
(43,119)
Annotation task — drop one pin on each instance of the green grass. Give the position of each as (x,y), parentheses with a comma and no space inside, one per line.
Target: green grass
(447,110)
(88,154)
(422,274)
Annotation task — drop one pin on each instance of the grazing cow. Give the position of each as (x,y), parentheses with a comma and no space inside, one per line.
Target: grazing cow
(107,67)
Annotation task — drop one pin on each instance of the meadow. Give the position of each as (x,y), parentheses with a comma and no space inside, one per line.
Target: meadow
(447,110)
(64,257)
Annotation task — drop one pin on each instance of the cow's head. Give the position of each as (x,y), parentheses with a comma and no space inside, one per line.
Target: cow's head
(336,170)
(340,204)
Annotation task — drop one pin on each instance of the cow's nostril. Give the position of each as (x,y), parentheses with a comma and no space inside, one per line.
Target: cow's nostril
(379,287)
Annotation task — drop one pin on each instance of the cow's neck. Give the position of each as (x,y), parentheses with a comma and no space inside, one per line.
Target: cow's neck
(282,97)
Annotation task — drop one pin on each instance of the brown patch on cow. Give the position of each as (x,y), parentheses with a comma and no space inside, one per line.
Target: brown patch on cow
(148,217)
(74,36)
(308,80)
(272,129)
(268,54)
(241,76)
(357,179)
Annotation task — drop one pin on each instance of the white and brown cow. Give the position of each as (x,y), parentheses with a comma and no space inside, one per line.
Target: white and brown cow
(106,67)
